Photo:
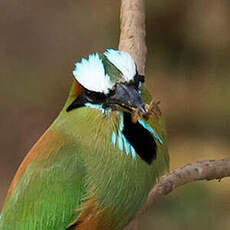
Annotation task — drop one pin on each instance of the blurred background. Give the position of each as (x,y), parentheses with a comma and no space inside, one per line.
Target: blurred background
(188,68)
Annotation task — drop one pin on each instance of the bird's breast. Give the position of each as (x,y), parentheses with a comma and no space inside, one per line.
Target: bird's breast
(117,180)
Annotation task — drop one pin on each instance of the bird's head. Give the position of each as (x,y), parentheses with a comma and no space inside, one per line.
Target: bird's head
(109,82)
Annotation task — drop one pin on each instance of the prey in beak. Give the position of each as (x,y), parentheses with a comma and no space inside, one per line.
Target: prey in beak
(124,97)
(128,98)
(150,110)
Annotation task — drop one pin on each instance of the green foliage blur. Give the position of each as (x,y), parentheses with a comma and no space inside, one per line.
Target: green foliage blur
(188,68)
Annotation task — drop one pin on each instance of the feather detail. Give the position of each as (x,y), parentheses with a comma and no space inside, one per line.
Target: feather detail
(50,137)
(77,89)
(41,184)
(91,218)
(91,74)
(123,61)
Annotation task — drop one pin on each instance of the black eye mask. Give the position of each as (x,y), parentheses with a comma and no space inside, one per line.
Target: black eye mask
(87,96)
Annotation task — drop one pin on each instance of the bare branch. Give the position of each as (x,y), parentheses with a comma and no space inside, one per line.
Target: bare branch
(200,170)
(132,35)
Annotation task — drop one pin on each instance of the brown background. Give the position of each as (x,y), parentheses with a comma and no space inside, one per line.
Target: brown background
(188,68)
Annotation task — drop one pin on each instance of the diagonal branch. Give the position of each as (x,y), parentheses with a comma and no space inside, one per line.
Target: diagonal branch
(200,170)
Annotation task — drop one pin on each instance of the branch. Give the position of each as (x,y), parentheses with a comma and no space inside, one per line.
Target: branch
(200,170)
(132,35)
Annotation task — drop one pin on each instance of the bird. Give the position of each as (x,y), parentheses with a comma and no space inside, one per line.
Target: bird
(95,165)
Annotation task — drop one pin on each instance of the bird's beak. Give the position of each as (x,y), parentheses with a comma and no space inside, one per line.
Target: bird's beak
(127,98)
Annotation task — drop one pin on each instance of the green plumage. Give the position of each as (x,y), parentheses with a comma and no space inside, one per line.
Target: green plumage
(75,160)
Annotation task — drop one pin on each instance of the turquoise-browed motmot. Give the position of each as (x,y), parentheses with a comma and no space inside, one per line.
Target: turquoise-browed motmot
(94,166)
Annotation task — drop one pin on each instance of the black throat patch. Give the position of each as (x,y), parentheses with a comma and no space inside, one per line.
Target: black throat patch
(140,138)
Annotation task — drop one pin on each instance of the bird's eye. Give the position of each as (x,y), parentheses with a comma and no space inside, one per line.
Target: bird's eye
(88,93)
(137,80)
(112,91)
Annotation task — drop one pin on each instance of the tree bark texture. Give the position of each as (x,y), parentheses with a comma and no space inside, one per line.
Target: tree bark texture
(132,34)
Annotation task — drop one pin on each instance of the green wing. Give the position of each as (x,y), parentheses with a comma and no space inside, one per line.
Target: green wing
(47,188)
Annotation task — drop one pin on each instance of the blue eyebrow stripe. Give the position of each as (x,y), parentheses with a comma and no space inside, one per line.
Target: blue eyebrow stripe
(150,129)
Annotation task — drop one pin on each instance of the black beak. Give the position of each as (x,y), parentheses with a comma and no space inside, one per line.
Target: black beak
(128,98)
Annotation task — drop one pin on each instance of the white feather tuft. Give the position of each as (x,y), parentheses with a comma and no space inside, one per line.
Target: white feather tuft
(91,74)
(123,61)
